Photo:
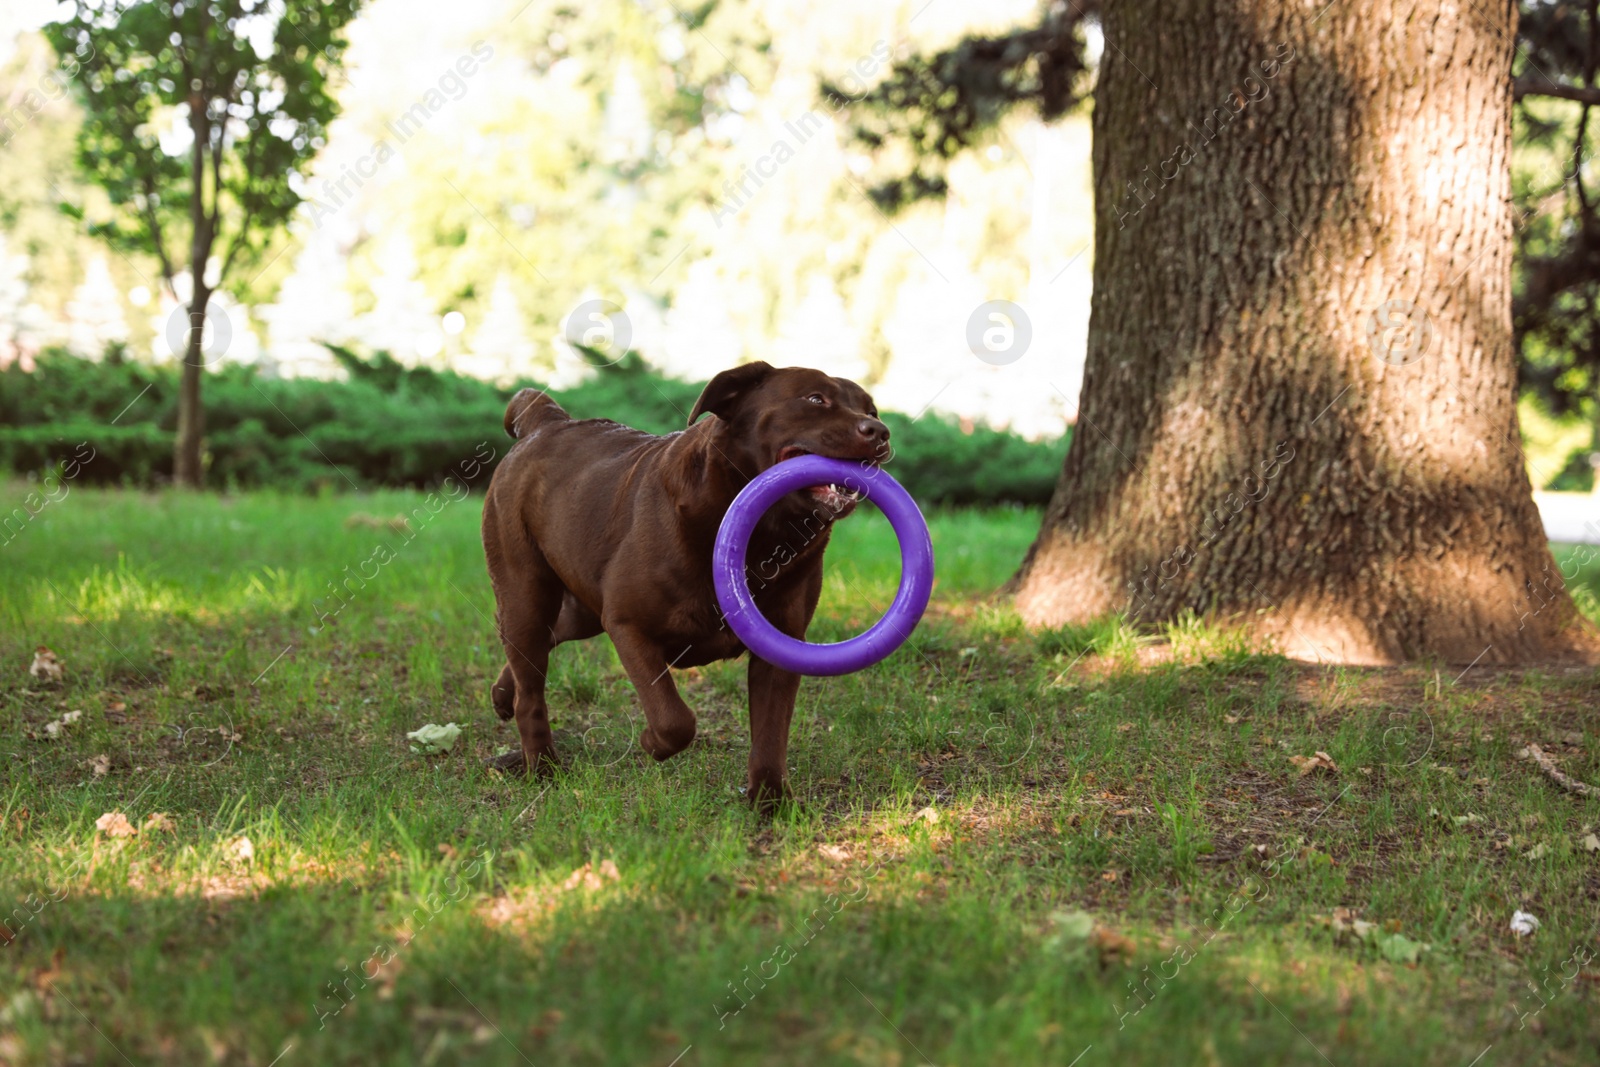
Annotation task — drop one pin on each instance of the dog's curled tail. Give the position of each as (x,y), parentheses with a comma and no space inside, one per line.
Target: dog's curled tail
(528,408)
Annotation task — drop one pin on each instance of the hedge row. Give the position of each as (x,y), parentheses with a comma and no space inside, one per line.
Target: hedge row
(390,425)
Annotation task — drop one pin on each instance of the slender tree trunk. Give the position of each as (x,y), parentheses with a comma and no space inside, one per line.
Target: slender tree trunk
(188,468)
(1298,408)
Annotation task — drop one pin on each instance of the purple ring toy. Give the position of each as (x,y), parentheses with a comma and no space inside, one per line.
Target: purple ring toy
(739,605)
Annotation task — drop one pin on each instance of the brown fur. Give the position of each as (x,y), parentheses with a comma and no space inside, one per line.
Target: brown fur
(590,526)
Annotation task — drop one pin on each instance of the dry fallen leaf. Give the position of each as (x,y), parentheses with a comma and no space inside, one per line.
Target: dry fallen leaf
(241,849)
(927,815)
(160,821)
(833,853)
(114,824)
(1591,843)
(1230,719)
(101,765)
(54,730)
(1319,762)
(1112,945)
(1344,924)
(1124,728)
(46,666)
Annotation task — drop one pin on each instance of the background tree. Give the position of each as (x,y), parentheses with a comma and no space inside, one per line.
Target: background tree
(595,169)
(619,152)
(197,117)
(1298,406)
(1554,307)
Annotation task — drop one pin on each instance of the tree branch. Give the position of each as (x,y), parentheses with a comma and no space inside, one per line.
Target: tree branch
(1548,766)
(154,222)
(234,245)
(199,221)
(1539,86)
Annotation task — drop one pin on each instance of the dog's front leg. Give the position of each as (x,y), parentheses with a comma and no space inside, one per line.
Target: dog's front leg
(772,694)
(670,723)
(773,691)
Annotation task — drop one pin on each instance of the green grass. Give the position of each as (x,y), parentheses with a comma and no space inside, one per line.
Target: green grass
(960,806)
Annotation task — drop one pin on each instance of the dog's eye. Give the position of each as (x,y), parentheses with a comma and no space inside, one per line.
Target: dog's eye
(817,398)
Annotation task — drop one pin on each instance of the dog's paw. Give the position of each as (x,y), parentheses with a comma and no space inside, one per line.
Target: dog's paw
(662,748)
(767,796)
(512,763)
(515,764)
(504,697)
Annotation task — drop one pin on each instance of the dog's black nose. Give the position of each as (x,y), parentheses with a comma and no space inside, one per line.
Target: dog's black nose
(873,431)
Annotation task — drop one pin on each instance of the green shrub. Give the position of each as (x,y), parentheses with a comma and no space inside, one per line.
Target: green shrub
(391,425)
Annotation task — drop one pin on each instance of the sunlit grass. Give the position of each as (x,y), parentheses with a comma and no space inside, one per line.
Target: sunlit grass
(958,804)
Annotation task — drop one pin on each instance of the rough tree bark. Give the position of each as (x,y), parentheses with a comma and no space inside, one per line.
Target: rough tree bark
(188,465)
(1298,409)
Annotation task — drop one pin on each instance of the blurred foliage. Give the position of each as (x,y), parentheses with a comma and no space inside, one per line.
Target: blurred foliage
(931,108)
(1557,276)
(594,162)
(393,425)
(255,119)
(1556,449)
(611,150)
(45,253)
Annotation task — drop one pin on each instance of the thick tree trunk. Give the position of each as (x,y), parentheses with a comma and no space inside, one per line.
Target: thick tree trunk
(188,468)
(1298,409)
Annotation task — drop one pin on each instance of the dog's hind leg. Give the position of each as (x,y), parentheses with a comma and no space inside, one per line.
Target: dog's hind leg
(504,694)
(671,724)
(526,614)
(576,622)
(527,597)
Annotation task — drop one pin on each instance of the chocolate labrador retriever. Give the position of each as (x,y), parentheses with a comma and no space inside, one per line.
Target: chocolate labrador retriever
(592,526)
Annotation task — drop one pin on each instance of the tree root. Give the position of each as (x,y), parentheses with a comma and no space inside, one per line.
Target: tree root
(1565,781)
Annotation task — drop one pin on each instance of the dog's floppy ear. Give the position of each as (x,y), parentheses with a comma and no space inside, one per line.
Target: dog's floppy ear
(723,393)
